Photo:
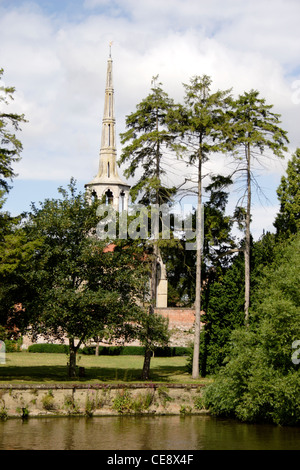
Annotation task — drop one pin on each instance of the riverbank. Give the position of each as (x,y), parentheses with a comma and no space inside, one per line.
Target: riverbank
(41,400)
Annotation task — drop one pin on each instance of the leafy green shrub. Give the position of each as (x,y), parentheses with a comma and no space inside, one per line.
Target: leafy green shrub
(142,402)
(13,345)
(70,404)
(90,406)
(163,393)
(184,409)
(49,348)
(199,403)
(260,382)
(122,403)
(48,401)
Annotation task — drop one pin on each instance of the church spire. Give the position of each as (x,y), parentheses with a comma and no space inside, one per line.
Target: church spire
(108,152)
(107,180)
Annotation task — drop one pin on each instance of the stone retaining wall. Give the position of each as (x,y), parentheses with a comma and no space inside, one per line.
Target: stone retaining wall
(25,401)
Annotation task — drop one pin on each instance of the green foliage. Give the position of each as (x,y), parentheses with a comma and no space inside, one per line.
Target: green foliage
(199,123)
(90,406)
(253,123)
(16,253)
(199,403)
(148,138)
(260,380)
(142,402)
(216,252)
(135,351)
(163,394)
(253,131)
(48,401)
(199,127)
(184,409)
(12,345)
(75,287)
(3,333)
(152,331)
(223,301)
(49,348)
(287,221)
(180,268)
(70,404)
(122,403)
(10,146)
(171,351)
(105,350)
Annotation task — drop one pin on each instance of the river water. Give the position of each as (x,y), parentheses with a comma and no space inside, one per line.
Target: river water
(144,433)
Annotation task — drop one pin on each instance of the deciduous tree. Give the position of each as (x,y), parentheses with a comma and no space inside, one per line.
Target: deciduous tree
(79,289)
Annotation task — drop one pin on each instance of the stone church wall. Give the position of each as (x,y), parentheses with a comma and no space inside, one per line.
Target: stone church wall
(181,324)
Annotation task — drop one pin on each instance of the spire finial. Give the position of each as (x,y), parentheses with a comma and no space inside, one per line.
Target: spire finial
(110,44)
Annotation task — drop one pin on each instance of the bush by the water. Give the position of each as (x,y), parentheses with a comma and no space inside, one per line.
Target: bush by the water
(261,380)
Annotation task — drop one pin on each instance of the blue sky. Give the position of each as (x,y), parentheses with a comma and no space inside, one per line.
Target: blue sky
(55,53)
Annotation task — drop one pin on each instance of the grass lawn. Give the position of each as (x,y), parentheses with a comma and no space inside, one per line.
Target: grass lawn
(25,367)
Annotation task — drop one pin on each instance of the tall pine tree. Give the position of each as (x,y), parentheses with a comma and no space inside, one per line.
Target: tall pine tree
(147,138)
(199,125)
(254,132)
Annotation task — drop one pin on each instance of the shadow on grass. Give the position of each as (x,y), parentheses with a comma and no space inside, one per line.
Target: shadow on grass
(102,374)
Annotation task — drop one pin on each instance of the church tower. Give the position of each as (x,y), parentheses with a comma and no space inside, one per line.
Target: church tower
(107,183)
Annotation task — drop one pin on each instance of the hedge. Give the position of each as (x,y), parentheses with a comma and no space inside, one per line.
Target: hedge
(49,348)
(135,351)
(109,350)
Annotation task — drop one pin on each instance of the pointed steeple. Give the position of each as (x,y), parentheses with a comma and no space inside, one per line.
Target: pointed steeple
(107,180)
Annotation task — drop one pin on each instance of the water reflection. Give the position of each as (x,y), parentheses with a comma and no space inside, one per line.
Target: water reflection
(144,433)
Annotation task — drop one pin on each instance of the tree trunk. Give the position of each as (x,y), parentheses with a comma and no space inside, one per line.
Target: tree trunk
(247,239)
(146,366)
(195,369)
(148,352)
(97,348)
(72,358)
